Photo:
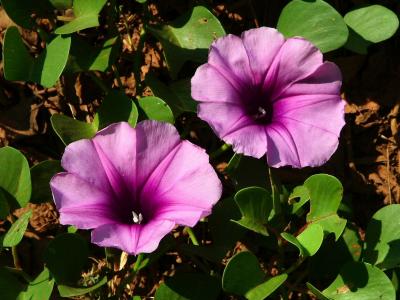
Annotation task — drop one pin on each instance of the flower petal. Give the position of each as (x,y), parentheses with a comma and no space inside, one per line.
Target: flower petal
(219,89)
(325,80)
(183,188)
(322,111)
(80,203)
(256,42)
(157,140)
(229,57)
(250,140)
(133,239)
(300,144)
(296,60)
(115,146)
(223,117)
(81,158)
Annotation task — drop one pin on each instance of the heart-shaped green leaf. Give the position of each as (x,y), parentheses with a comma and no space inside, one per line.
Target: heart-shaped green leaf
(15,178)
(41,175)
(316,21)
(40,288)
(242,273)
(86,57)
(326,193)
(70,130)
(86,16)
(360,281)
(69,291)
(309,241)
(45,69)
(300,192)
(116,107)
(188,37)
(255,204)
(156,109)
(374,23)
(65,257)
(263,290)
(16,232)
(382,238)
(177,95)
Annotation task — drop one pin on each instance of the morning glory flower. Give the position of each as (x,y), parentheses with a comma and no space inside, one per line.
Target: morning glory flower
(133,185)
(265,94)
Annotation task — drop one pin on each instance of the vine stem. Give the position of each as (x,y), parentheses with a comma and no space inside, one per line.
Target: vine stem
(221,150)
(17,263)
(192,236)
(297,264)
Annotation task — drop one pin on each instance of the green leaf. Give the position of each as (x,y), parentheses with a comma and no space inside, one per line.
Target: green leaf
(265,289)
(70,130)
(302,193)
(189,286)
(41,175)
(347,248)
(40,288)
(188,37)
(177,95)
(316,21)
(10,286)
(116,107)
(156,109)
(255,204)
(360,281)
(15,178)
(69,291)
(19,65)
(326,193)
(86,16)
(86,57)
(242,273)
(21,11)
(309,241)
(374,23)
(16,232)
(382,238)
(66,256)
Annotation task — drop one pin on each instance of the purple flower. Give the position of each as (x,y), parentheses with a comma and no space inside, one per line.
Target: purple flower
(267,95)
(133,185)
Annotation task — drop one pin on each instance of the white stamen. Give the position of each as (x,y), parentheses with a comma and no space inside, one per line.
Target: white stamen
(262,111)
(137,218)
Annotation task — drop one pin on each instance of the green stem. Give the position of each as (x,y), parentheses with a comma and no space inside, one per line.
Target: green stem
(221,150)
(17,263)
(192,236)
(275,192)
(297,264)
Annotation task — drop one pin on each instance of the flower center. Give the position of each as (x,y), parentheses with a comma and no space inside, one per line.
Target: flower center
(258,105)
(137,218)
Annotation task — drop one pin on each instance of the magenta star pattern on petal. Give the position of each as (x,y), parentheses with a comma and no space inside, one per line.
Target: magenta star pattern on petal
(133,185)
(266,95)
